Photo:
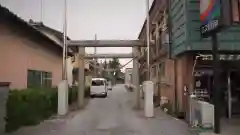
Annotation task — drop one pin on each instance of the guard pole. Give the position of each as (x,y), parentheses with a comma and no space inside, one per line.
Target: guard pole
(81,76)
(216,83)
(95,59)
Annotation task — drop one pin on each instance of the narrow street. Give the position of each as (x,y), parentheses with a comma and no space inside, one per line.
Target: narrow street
(110,116)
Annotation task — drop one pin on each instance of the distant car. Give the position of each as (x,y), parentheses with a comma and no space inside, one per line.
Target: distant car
(99,87)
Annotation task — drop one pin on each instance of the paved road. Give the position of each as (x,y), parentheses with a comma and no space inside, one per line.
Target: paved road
(110,116)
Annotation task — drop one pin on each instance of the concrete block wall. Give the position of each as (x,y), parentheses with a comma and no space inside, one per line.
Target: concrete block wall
(4,89)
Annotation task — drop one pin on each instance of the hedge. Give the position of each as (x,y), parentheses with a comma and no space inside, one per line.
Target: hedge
(31,106)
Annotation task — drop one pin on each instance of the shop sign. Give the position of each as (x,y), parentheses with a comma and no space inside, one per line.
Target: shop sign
(199,73)
(224,57)
(214,16)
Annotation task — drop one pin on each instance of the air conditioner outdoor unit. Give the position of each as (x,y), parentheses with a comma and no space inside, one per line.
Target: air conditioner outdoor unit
(203,114)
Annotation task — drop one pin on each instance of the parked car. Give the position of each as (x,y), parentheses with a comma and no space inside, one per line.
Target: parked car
(99,87)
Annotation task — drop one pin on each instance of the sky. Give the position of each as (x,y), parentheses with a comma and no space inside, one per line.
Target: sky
(108,19)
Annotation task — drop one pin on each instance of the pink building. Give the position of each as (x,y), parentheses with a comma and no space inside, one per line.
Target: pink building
(28,56)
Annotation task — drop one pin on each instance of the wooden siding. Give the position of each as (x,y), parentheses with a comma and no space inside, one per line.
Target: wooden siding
(178,21)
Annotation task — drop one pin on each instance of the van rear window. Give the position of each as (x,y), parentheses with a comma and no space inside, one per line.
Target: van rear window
(97,82)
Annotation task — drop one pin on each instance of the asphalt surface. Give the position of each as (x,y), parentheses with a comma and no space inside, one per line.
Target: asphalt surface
(110,116)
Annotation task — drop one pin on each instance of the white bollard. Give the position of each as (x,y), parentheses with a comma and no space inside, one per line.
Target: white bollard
(63,98)
(148,88)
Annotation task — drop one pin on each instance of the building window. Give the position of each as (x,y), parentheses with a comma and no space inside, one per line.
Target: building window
(40,79)
(154,72)
(161,69)
(235,6)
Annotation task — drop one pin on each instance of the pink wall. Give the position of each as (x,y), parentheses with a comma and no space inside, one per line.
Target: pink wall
(18,54)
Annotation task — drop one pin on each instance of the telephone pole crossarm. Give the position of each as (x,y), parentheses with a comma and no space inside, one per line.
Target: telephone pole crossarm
(103,56)
(106,43)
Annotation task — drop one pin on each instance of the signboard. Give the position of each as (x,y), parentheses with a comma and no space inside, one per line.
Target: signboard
(224,57)
(213,16)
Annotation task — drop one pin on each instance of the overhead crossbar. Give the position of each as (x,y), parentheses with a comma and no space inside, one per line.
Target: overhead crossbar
(101,56)
(105,43)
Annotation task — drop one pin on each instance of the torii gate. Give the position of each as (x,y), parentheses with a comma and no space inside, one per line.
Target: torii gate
(81,44)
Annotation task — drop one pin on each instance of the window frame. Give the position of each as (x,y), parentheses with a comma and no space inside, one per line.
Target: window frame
(39,79)
(161,69)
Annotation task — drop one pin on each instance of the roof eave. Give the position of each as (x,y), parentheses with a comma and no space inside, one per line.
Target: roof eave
(150,11)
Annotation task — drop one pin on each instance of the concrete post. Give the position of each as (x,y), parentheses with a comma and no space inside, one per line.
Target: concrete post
(81,78)
(148,88)
(63,98)
(135,76)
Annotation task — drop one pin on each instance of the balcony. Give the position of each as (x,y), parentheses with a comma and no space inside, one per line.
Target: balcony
(163,44)
(143,57)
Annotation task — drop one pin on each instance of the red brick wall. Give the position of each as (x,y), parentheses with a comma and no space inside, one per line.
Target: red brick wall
(167,89)
(184,65)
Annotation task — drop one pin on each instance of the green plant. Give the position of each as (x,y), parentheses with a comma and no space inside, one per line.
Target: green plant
(29,107)
(72,94)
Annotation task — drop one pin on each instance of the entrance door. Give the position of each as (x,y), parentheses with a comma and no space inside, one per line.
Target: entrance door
(235,92)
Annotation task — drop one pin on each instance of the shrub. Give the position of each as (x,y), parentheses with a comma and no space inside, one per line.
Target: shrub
(29,107)
(72,95)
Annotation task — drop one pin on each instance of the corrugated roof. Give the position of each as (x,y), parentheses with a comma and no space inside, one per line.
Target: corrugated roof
(154,8)
(7,14)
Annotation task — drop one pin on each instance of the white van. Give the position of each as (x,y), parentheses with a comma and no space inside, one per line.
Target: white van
(99,87)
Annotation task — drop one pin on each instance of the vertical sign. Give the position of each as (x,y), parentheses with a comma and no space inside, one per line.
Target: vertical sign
(210,14)
(214,14)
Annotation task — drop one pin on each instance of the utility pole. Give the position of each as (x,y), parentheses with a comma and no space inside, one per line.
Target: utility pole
(216,83)
(64,68)
(148,38)
(41,11)
(63,86)
(95,59)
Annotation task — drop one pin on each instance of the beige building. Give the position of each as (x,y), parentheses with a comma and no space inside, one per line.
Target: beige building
(28,57)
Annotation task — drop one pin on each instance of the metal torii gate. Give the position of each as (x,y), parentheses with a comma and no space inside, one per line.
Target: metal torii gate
(81,44)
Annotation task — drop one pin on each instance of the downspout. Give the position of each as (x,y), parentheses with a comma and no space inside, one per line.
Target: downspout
(170,55)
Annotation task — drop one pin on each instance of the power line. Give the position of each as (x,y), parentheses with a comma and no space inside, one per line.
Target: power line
(41,11)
